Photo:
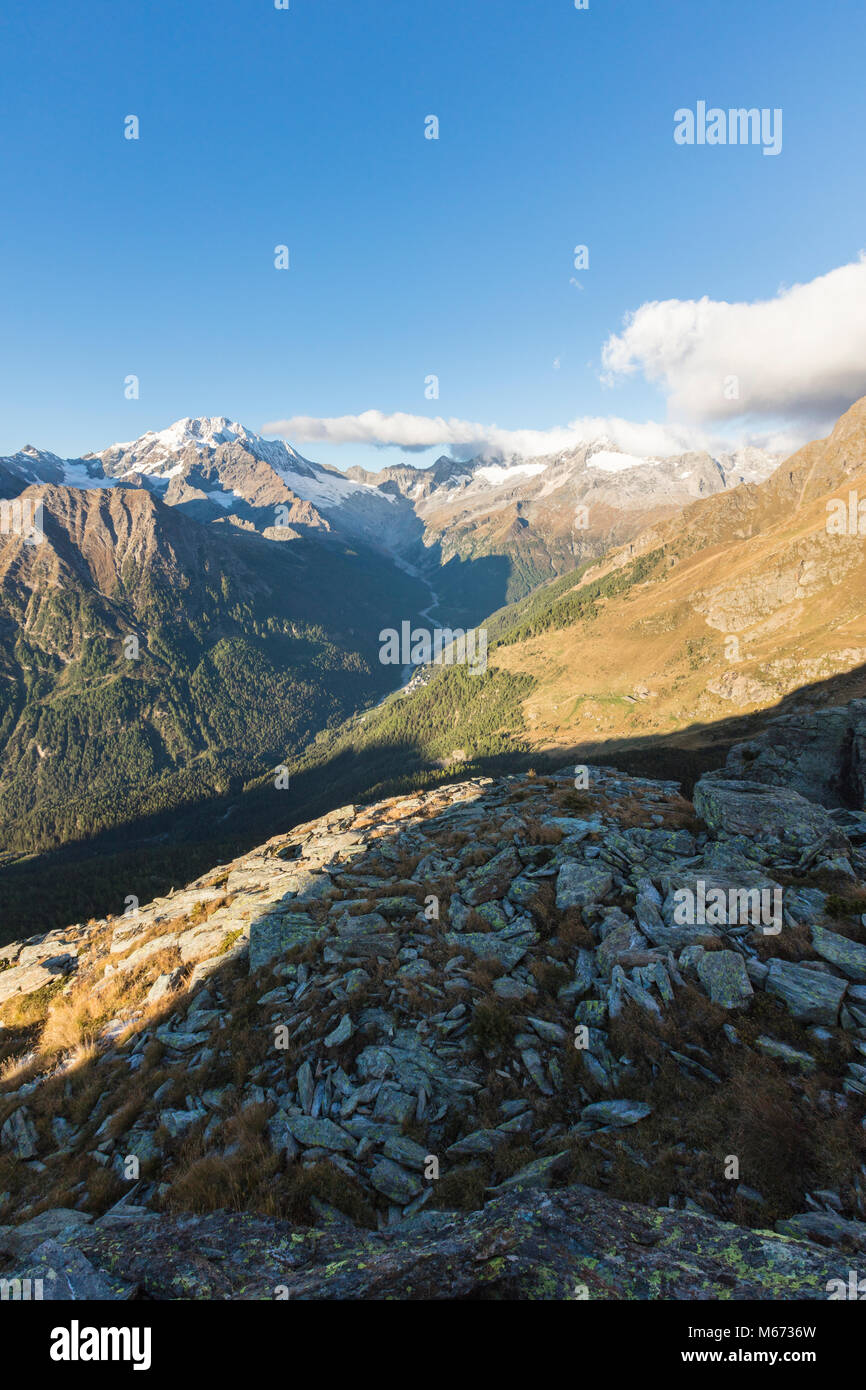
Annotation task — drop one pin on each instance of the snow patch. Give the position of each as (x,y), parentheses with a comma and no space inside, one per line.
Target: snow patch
(326,489)
(76,475)
(154,471)
(495,474)
(609,461)
(221,497)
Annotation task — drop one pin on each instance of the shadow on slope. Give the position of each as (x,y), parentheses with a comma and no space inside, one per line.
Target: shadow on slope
(222,1157)
(407,744)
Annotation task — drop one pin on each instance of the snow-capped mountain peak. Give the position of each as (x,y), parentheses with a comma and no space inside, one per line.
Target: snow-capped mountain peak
(203,434)
(219,471)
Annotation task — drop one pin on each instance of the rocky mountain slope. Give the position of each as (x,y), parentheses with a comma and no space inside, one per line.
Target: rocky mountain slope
(472,1030)
(744,600)
(517,522)
(149,661)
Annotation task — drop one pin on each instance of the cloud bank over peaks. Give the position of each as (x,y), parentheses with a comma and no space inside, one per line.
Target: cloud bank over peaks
(800,356)
(769,374)
(466,439)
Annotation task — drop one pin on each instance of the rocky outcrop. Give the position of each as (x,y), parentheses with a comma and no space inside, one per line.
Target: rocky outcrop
(769,823)
(821,754)
(485,990)
(570,1244)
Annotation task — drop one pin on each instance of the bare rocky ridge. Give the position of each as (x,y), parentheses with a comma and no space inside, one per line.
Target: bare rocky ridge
(750,600)
(569,1244)
(494,975)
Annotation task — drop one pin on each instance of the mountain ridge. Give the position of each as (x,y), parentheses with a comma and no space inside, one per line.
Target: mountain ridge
(440,516)
(519,710)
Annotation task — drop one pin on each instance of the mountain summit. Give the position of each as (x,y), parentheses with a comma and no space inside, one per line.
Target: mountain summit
(525,520)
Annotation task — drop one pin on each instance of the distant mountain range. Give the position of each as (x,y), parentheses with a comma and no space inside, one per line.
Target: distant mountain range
(745,605)
(745,602)
(527,520)
(206,606)
(483,532)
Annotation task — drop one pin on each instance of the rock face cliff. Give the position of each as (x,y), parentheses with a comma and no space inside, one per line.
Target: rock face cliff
(560,1037)
(819,753)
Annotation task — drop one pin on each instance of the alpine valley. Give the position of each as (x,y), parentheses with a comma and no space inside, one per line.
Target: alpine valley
(423,1018)
(205,604)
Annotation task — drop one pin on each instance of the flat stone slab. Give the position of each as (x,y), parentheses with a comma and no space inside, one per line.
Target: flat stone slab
(781,1052)
(342,1033)
(273,935)
(395,1182)
(616,1112)
(809,995)
(492,880)
(489,946)
(319,1134)
(27,979)
(847,956)
(723,976)
(579,885)
(619,942)
(706,900)
(774,818)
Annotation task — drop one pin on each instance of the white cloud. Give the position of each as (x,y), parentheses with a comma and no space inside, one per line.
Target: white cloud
(800,356)
(798,360)
(466,438)
(374,427)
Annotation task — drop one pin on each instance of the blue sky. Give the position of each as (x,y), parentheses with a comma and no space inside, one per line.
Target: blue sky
(409,257)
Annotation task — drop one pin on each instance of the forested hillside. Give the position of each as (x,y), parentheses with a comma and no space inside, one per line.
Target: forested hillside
(148,663)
